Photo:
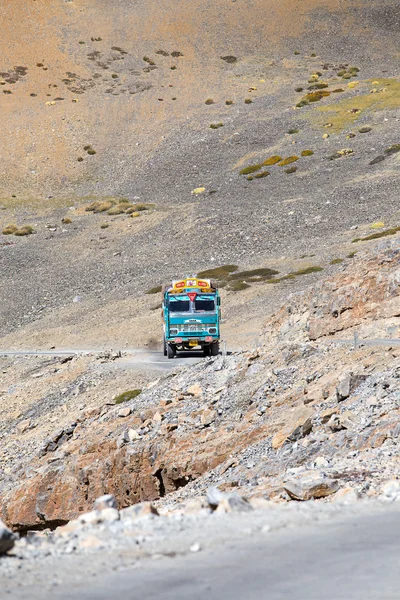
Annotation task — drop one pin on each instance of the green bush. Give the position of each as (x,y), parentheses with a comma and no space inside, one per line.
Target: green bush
(126,396)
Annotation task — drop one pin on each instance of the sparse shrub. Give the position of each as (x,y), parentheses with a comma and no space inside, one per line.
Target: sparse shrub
(307,153)
(176,53)
(154,290)
(209,101)
(287,161)
(148,60)
(250,169)
(393,149)
(291,170)
(249,177)
(119,209)
(318,86)
(66,221)
(229,102)
(293,131)
(377,160)
(296,53)
(173,68)
(216,125)
(221,272)
(10,229)
(114,76)
(248,101)
(238,286)
(272,160)
(377,236)
(254,274)
(307,271)
(313,97)
(365,129)
(313,55)
(262,175)
(103,206)
(80,159)
(336,261)
(351,255)
(104,226)
(299,89)
(142,207)
(24,230)
(91,152)
(134,215)
(126,396)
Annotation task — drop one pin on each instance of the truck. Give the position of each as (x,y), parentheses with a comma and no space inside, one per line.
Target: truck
(191,312)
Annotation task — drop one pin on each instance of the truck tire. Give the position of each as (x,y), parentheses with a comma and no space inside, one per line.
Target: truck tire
(214,349)
(206,350)
(171,351)
(164,346)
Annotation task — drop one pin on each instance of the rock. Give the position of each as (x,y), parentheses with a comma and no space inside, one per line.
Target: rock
(195,547)
(208,416)
(106,501)
(298,426)
(346,495)
(95,517)
(311,486)
(138,511)
(321,461)
(157,418)
(22,426)
(348,385)
(7,538)
(194,390)
(226,503)
(327,414)
(390,491)
(124,412)
(133,435)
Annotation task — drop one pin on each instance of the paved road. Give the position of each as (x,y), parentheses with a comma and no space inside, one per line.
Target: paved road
(358,559)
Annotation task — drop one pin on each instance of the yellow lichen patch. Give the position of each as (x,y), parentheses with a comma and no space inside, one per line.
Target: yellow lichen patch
(272,160)
(288,161)
(353,84)
(344,113)
(197,191)
(377,225)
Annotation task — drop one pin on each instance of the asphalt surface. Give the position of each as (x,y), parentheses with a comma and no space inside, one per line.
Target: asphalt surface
(357,559)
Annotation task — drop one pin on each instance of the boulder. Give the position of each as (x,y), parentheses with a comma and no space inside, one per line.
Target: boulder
(7,538)
(298,426)
(310,487)
(348,385)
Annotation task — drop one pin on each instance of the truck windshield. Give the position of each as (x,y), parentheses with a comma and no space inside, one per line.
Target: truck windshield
(204,303)
(177,305)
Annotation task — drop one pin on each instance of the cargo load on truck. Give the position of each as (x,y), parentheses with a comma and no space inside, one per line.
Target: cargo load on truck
(191,315)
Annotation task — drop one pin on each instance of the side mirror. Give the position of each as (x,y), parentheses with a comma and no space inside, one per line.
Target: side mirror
(218,301)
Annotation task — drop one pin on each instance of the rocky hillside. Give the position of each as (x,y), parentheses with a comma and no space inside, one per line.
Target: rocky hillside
(311,412)
(232,134)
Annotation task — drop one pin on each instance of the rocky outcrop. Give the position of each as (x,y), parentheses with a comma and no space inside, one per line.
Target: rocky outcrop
(365,296)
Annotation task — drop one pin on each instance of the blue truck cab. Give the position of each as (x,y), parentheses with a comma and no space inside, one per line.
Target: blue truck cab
(191,314)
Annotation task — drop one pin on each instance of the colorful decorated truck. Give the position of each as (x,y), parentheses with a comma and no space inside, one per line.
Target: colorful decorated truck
(191,314)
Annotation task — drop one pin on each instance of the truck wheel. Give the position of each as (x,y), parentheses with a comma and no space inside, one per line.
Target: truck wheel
(214,349)
(164,346)
(206,350)
(171,351)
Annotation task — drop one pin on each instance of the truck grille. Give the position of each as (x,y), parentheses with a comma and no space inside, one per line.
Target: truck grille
(195,327)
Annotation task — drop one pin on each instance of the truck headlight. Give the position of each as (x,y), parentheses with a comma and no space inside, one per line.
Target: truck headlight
(212,330)
(173,331)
